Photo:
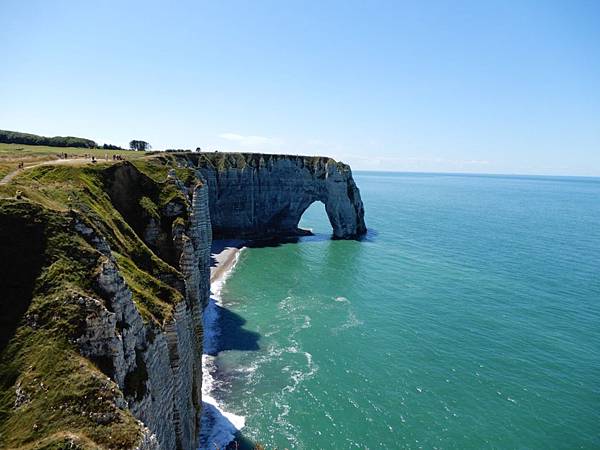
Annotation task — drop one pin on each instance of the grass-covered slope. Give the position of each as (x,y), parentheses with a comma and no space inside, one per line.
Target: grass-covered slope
(49,394)
(223,161)
(13,154)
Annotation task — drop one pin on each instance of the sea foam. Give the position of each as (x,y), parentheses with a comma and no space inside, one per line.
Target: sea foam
(218,426)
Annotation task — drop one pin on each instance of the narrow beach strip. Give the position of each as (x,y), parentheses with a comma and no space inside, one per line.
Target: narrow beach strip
(218,427)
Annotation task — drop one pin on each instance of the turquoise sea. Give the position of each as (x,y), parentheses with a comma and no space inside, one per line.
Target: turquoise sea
(468,318)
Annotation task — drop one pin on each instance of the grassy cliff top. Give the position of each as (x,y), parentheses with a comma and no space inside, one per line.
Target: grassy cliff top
(223,161)
(12,154)
(51,396)
(117,200)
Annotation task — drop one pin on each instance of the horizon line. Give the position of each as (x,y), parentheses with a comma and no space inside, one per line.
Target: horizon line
(485,174)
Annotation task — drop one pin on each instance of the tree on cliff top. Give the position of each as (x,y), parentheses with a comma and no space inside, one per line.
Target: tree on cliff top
(139,145)
(16,137)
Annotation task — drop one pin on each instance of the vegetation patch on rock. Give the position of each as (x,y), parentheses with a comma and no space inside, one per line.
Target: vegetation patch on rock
(50,395)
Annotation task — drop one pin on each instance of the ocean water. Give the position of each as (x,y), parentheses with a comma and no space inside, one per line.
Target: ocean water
(468,318)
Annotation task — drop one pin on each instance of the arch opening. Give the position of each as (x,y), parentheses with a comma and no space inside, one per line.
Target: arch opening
(315,219)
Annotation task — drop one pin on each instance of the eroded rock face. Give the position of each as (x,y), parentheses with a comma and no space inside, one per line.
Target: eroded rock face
(158,370)
(265,195)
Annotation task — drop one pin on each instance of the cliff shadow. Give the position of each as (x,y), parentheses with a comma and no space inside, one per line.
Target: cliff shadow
(241,442)
(233,335)
(22,256)
(219,245)
(222,428)
(219,429)
(370,236)
(274,241)
(278,241)
(313,237)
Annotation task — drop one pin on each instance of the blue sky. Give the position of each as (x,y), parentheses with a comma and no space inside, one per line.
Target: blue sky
(482,86)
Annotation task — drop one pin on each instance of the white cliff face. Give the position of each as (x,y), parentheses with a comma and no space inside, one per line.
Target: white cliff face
(267,196)
(158,370)
(148,441)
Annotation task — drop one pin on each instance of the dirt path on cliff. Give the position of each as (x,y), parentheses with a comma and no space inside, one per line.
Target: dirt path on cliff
(74,161)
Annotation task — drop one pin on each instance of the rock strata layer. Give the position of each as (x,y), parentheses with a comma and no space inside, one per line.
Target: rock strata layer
(254,195)
(159,371)
(139,239)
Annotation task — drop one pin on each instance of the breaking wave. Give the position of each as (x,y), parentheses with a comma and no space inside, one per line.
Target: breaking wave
(218,427)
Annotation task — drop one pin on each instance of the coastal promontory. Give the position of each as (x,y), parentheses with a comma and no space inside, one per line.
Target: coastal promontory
(105,277)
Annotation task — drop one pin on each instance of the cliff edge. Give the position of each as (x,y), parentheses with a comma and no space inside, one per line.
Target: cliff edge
(105,277)
(258,195)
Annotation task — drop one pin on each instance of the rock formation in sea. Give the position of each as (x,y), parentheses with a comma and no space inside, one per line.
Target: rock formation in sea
(106,273)
(253,195)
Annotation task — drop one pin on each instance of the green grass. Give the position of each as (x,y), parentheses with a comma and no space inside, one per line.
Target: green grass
(35,151)
(60,391)
(85,189)
(12,154)
(153,298)
(51,396)
(158,166)
(149,207)
(223,161)
(68,397)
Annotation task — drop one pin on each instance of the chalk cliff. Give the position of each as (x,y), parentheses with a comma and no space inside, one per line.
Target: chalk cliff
(258,195)
(106,273)
(158,370)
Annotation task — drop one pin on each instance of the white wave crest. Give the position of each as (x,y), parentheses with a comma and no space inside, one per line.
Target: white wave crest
(218,426)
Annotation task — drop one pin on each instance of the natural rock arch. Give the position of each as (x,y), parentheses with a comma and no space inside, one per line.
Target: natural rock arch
(316,207)
(254,195)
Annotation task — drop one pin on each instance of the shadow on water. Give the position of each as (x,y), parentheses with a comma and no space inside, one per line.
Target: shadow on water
(233,335)
(241,442)
(217,419)
(370,236)
(218,245)
(276,241)
(273,242)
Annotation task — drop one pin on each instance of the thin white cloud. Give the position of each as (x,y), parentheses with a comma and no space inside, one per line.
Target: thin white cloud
(477,162)
(250,140)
